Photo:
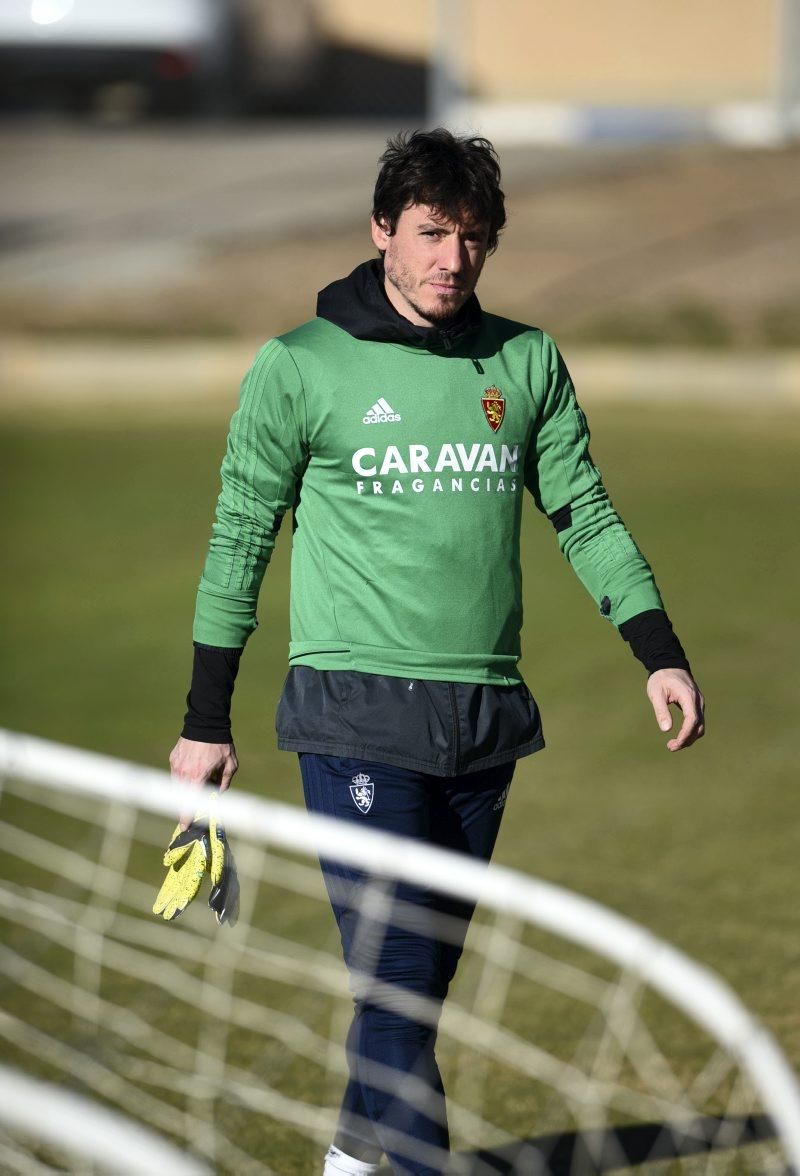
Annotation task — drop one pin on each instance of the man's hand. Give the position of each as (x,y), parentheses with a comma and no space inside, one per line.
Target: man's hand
(202,763)
(677,687)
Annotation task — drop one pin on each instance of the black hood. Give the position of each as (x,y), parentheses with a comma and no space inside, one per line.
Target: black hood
(358,304)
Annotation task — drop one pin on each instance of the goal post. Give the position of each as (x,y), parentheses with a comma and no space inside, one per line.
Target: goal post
(228,1042)
(83,1129)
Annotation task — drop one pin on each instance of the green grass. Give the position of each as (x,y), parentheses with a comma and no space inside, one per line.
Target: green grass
(104,534)
(705,325)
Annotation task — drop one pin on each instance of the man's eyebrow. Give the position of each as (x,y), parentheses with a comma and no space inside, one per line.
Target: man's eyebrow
(429,223)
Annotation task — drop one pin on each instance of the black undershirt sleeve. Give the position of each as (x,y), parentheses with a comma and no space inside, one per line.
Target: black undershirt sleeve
(653,642)
(208,719)
(649,634)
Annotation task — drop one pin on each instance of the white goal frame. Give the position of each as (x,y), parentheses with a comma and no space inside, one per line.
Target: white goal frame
(689,986)
(88,1131)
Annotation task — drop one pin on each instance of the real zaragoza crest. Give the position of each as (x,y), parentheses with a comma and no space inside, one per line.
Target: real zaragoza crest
(362,791)
(494,407)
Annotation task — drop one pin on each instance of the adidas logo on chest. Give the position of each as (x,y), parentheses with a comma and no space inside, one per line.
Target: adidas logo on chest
(381,413)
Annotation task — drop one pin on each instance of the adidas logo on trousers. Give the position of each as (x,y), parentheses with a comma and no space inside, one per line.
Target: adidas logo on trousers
(380,413)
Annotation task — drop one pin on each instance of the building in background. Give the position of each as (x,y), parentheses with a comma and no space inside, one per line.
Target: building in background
(573,69)
(552,70)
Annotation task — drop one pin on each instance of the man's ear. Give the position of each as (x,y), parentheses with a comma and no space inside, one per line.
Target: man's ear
(380,234)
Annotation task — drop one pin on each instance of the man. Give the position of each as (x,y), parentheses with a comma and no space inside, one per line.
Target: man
(401,426)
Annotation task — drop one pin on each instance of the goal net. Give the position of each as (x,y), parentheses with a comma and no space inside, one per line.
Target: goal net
(572,1040)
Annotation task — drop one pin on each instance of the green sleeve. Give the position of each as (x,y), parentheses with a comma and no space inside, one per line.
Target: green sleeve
(568,488)
(261,475)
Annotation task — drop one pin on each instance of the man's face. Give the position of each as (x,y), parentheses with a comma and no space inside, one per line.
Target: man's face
(432,264)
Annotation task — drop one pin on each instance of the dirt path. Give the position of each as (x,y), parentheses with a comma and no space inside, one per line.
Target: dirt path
(231,231)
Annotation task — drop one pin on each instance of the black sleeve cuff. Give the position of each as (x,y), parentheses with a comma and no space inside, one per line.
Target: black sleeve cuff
(653,642)
(208,719)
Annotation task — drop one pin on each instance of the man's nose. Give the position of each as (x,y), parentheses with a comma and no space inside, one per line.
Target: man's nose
(452,254)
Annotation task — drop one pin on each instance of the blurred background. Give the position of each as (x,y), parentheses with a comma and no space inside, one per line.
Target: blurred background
(180,178)
(159,154)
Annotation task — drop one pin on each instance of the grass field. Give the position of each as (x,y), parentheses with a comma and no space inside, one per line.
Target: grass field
(104,535)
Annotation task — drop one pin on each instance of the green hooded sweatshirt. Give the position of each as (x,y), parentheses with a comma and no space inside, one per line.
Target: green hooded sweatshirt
(405,456)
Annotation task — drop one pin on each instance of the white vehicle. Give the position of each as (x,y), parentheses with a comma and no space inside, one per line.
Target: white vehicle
(183,53)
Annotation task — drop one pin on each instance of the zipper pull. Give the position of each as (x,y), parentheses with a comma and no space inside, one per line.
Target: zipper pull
(476,363)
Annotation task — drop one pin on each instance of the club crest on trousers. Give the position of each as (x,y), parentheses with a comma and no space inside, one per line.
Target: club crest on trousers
(362,791)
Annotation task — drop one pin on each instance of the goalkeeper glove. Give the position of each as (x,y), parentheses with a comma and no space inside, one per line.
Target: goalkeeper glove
(224,896)
(201,847)
(186,859)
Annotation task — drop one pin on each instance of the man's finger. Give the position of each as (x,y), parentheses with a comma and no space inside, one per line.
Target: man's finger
(692,725)
(186,818)
(197,763)
(673,744)
(663,717)
(228,772)
(688,728)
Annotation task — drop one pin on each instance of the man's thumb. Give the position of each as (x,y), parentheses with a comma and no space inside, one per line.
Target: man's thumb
(663,717)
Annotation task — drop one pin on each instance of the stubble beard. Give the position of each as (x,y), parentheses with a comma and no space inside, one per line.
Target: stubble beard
(439,314)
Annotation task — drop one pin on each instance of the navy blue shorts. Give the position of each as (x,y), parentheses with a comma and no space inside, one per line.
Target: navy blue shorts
(411,953)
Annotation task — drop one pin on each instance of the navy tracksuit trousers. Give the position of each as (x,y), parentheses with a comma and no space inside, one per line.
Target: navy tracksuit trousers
(415,951)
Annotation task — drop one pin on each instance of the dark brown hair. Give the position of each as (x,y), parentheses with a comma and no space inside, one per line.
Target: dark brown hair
(456,176)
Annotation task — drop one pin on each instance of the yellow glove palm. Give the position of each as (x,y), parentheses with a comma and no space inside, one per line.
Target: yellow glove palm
(191,852)
(187,859)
